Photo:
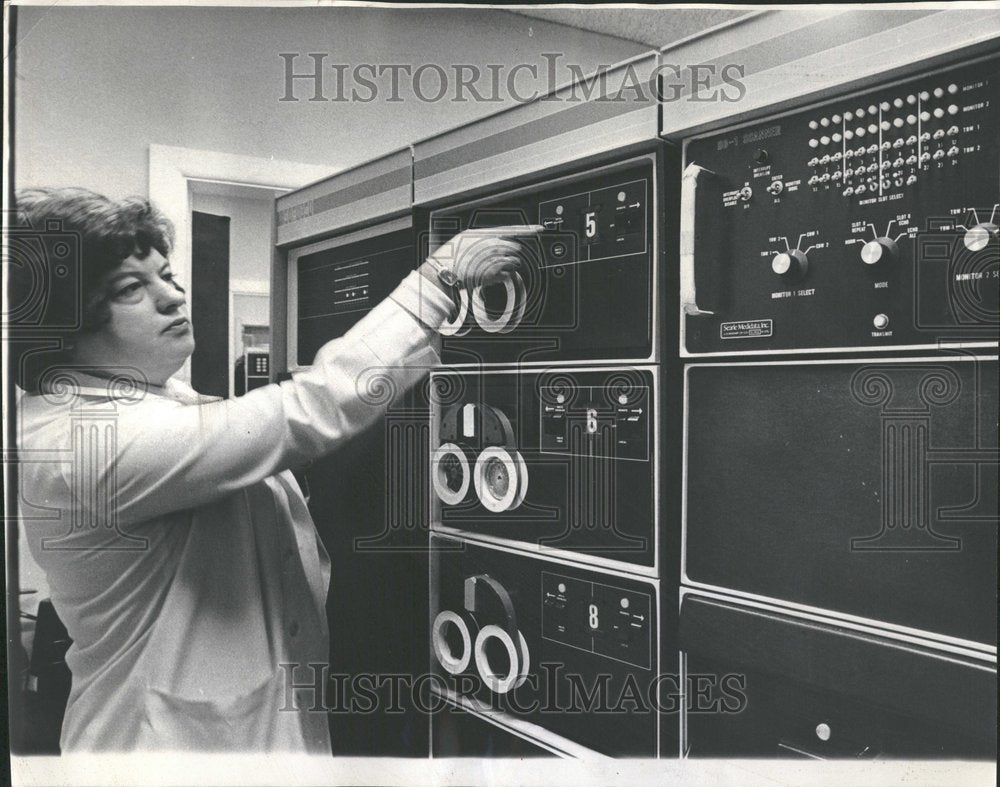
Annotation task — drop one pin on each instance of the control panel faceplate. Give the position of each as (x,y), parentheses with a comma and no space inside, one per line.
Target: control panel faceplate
(564,647)
(864,222)
(585,288)
(559,459)
(336,286)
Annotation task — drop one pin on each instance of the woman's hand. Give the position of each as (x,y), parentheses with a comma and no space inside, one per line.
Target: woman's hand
(476,257)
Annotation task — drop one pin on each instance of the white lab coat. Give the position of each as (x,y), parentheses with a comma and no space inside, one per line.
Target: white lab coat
(179,550)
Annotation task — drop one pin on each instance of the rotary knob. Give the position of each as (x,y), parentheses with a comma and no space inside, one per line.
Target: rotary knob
(979,237)
(879,251)
(790,265)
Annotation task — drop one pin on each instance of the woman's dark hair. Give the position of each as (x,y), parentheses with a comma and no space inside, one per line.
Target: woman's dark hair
(60,246)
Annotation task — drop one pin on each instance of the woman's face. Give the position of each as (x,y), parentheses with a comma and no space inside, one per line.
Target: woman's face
(149,327)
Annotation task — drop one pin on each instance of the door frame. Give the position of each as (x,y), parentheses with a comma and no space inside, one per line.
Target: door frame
(175,171)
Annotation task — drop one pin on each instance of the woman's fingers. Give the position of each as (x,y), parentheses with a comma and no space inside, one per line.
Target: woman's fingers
(507,231)
(482,255)
(494,268)
(490,252)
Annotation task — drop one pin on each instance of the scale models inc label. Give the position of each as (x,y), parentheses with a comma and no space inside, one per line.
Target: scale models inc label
(748,329)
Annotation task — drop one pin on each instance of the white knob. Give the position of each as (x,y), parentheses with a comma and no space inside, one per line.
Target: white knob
(879,250)
(978,238)
(791,265)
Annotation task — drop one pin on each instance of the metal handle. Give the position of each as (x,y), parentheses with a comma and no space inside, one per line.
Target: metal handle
(689,193)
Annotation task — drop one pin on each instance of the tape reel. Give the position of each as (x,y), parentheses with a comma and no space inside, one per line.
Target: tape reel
(456,665)
(513,311)
(461,325)
(501,474)
(496,479)
(518,656)
(522,481)
(501,423)
(450,474)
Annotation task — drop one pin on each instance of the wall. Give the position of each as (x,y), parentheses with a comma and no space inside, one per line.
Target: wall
(96,85)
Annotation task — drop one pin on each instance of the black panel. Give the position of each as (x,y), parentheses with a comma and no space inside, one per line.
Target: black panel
(588,441)
(368,500)
(48,686)
(868,489)
(338,286)
(783,180)
(588,278)
(780,687)
(617,669)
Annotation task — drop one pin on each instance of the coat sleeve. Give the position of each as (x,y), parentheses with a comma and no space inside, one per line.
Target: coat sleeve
(168,456)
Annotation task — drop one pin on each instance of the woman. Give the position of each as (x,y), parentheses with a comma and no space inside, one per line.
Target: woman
(181,556)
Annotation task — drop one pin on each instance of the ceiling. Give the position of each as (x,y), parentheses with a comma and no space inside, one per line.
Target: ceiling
(651,27)
(654,27)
